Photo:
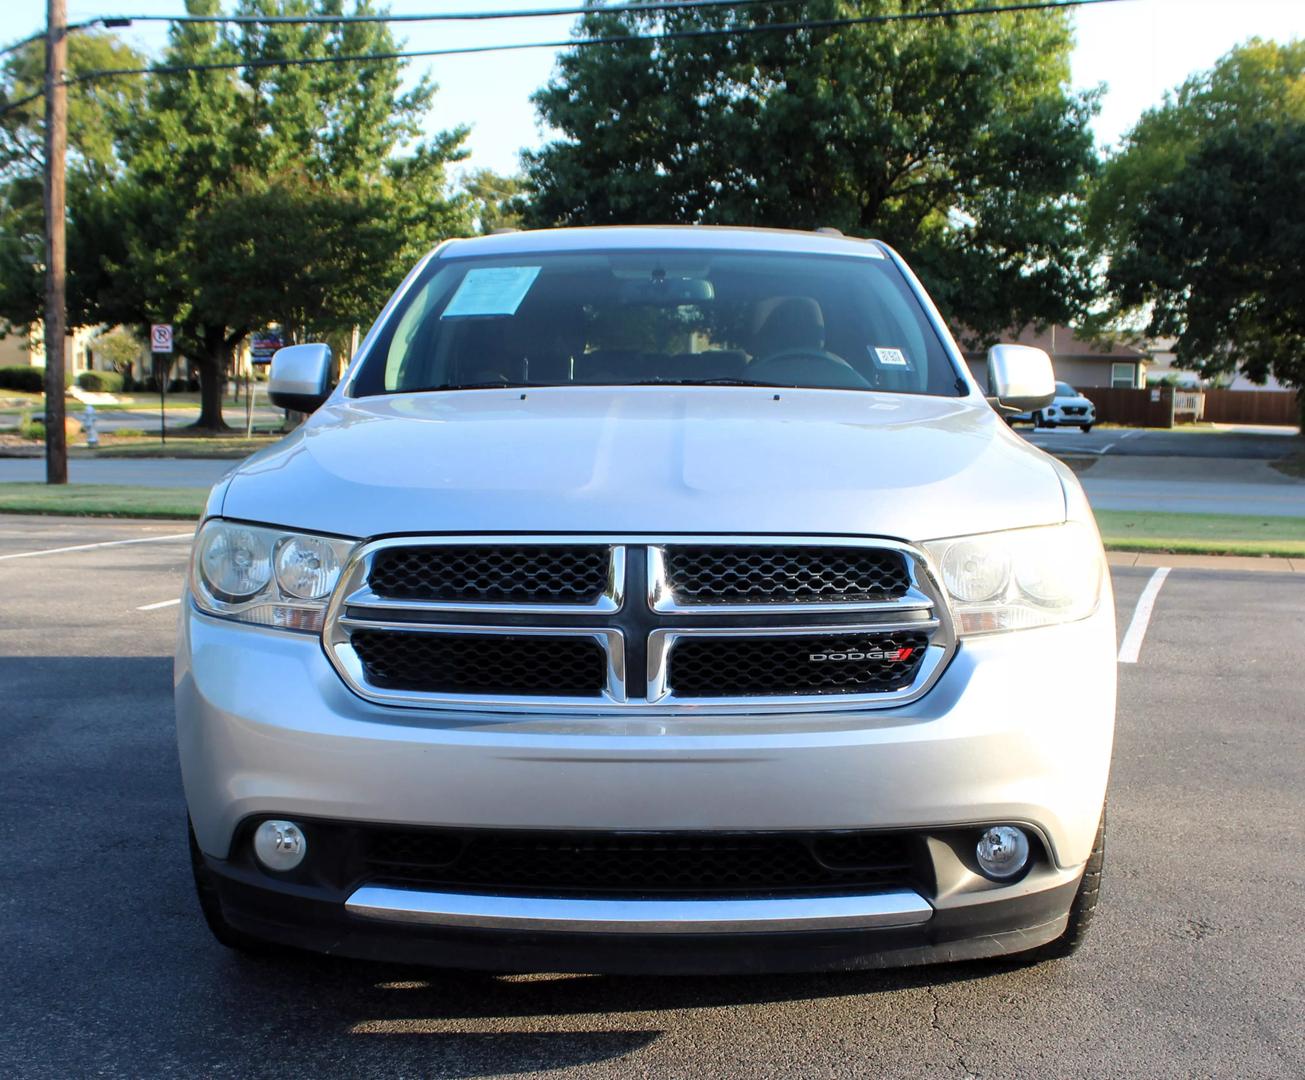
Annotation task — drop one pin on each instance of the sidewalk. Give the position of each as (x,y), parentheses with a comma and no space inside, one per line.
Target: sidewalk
(1206,562)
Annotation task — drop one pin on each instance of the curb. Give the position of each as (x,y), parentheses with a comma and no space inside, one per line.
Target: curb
(1262,564)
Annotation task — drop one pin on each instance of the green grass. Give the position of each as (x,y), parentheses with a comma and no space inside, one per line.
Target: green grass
(102,500)
(1202,534)
(178,446)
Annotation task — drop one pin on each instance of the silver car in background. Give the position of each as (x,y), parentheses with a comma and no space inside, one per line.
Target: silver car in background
(650,599)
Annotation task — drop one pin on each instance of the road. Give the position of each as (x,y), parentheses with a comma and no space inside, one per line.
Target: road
(1194,967)
(141,472)
(109,420)
(1246,441)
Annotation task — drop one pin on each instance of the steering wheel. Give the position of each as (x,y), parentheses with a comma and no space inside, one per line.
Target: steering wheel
(807,366)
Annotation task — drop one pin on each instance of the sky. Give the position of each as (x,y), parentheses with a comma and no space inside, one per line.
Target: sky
(1138,49)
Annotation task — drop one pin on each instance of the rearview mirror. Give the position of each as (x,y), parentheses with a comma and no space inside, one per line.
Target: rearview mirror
(1020,378)
(301,377)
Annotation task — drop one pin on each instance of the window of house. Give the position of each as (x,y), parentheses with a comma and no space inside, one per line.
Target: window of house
(1123,376)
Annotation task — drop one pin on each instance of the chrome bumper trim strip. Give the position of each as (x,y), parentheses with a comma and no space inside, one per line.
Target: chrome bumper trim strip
(894,908)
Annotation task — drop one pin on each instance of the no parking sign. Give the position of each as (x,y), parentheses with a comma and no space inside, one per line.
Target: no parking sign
(161,338)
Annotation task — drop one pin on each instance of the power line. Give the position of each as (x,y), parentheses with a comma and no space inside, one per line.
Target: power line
(443,16)
(618,39)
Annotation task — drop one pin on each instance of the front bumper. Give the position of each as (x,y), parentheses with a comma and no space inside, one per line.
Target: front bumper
(266,728)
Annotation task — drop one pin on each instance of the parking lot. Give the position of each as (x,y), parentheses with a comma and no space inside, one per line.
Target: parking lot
(1194,967)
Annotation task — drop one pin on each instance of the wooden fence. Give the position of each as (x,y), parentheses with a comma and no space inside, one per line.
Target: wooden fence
(1251,407)
(1154,407)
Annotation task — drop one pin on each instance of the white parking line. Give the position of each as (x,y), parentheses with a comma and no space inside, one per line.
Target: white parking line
(160,604)
(104,544)
(1132,643)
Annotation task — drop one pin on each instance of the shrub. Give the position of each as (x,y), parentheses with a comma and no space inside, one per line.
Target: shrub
(107,382)
(32,429)
(30,380)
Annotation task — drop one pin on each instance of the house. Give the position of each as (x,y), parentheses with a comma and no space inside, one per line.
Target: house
(25,347)
(1165,366)
(1077,361)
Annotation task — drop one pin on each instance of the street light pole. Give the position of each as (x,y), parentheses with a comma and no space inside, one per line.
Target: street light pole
(56,316)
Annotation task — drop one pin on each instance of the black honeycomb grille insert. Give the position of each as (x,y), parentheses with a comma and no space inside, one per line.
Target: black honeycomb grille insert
(639,864)
(482,663)
(759,574)
(490,573)
(850,663)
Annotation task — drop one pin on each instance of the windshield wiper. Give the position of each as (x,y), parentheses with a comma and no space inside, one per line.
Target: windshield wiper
(475,386)
(722,381)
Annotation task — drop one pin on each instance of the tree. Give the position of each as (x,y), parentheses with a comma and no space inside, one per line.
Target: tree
(96,112)
(495,201)
(119,349)
(955,140)
(1218,253)
(1259,82)
(296,195)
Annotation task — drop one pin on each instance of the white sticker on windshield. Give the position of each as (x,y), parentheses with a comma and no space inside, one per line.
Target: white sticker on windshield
(491,290)
(891,357)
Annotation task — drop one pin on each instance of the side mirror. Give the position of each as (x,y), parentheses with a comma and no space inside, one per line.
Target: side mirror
(301,377)
(1020,378)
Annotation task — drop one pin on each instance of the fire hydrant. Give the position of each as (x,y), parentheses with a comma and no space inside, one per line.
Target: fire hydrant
(88,426)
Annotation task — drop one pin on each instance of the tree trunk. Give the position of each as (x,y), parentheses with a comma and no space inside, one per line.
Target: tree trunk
(212,381)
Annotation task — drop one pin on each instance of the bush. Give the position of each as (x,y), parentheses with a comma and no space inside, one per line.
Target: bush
(32,429)
(29,380)
(105,382)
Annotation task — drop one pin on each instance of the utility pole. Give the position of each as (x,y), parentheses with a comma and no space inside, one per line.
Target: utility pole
(56,315)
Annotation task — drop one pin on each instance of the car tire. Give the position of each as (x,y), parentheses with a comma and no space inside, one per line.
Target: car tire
(1085,428)
(211,907)
(1038,422)
(1085,902)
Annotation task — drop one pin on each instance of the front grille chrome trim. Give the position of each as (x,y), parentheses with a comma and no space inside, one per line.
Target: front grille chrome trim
(360,593)
(662,598)
(662,642)
(347,662)
(889,908)
(644,692)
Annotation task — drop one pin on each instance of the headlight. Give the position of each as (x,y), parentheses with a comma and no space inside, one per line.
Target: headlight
(266,576)
(1023,578)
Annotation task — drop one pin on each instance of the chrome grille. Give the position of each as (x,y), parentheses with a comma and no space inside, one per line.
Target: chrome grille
(761,574)
(428,661)
(707,624)
(464,573)
(705,666)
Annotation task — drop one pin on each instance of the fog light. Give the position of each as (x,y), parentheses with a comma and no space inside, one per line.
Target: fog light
(280,845)
(1002,851)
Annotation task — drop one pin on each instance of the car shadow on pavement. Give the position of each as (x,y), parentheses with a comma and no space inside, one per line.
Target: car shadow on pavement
(472,1024)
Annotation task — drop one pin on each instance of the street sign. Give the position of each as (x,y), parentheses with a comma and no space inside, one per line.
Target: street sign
(263,346)
(161,337)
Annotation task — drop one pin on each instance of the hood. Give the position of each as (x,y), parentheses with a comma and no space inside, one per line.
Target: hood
(650,460)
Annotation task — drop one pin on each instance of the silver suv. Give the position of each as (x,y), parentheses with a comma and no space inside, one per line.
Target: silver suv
(650,599)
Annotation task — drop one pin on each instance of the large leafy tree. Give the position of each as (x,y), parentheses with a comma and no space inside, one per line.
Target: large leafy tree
(1256,83)
(294,195)
(96,113)
(955,140)
(1218,254)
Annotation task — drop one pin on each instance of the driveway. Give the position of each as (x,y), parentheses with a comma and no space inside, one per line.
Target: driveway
(1224,441)
(1193,486)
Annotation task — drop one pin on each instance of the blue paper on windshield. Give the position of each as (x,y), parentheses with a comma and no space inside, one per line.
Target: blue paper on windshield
(491,290)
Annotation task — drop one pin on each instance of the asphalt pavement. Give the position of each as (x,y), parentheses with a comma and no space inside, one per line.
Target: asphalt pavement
(1247,441)
(1193,967)
(140,472)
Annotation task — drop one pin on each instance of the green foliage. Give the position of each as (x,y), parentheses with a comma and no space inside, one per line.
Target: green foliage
(495,201)
(31,429)
(1218,253)
(29,380)
(957,141)
(237,199)
(108,382)
(118,348)
(1259,82)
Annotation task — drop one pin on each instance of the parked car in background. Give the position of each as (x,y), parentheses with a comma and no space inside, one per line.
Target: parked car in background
(1068,408)
(654,600)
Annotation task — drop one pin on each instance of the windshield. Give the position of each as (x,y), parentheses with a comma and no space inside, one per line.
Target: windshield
(658,317)
(1063,389)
